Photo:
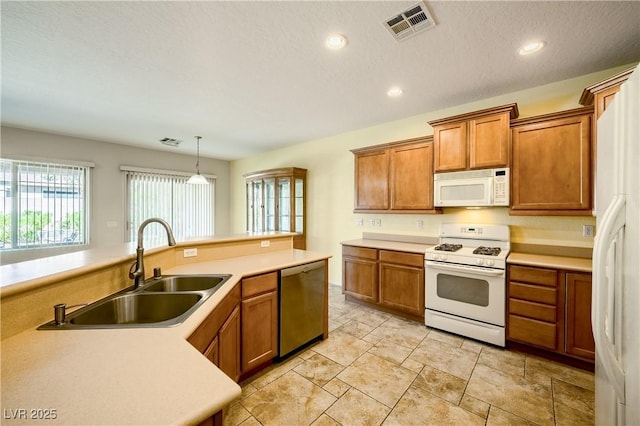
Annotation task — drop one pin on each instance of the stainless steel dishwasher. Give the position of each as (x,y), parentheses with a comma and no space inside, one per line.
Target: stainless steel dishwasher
(301,296)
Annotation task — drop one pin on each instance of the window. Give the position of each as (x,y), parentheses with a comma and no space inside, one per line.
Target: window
(43,204)
(164,194)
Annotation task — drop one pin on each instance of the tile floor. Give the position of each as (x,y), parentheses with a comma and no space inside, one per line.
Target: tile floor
(376,368)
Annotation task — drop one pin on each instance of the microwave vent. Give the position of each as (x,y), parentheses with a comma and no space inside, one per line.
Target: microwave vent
(412,21)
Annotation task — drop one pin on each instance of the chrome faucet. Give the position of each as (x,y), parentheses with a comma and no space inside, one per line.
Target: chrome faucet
(138,274)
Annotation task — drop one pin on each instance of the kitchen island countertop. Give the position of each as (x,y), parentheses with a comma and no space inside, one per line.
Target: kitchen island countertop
(127,376)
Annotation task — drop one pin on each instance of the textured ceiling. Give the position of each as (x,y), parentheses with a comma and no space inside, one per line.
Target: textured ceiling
(252,76)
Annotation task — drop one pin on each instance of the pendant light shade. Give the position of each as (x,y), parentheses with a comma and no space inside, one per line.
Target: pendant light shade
(198,179)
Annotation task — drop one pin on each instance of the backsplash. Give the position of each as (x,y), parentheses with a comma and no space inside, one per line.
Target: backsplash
(533,230)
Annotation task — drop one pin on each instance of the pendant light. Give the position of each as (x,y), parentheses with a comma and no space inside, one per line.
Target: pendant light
(198,179)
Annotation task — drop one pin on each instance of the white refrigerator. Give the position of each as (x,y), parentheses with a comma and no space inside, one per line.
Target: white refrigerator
(616,260)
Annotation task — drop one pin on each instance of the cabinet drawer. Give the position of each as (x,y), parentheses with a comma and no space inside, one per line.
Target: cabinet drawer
(402,258)
(259,284)
(540,276)
(533,293)
(533,332)
(532,310)
(361,252)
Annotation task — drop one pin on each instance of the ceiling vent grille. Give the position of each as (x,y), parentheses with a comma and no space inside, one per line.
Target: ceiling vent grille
(410,22)
(170,141)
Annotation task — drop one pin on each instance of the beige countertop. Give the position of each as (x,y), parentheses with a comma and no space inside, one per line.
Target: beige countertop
(127,376)
(388,245)
(546,261)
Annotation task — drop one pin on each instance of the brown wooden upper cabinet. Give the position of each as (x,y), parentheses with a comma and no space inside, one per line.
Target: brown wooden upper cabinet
(551,164)
(394,178)
(475,140)
(276,202)
(602,93)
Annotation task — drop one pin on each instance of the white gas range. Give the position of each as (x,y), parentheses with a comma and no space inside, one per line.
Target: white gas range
(465,281)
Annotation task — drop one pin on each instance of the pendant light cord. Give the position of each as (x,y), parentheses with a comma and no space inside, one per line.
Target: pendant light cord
(198,155)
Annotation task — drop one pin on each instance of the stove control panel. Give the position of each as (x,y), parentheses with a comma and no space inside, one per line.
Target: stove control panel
(466,230)
(483,262)
(436,256)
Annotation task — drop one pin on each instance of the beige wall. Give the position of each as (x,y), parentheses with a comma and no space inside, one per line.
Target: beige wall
(330,178)
(107,183)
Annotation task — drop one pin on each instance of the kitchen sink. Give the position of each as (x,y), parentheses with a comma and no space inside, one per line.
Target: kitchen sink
(158,302)
(180,283)
(137,308)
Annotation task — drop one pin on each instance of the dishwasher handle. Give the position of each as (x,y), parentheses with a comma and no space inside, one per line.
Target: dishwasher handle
(307,267)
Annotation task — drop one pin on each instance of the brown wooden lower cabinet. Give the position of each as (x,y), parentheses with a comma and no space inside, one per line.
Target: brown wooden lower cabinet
(215,420)
(402,281)
(218,339)
(579,335)
(218,336)
(360,273)
(259,320)
(550,309)
(535,332)
(213,351)
(389,280)
(229,344)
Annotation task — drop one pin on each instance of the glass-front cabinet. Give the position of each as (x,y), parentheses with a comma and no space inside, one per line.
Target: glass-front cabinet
(276,202)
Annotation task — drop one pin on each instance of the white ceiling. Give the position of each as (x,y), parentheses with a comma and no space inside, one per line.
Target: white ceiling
(253,76)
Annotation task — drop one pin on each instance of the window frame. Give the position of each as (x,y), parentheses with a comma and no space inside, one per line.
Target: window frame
(86,201)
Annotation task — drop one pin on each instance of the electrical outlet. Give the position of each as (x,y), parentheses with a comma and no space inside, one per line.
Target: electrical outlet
(419,224)
(359,222)
(192,252)
(372,222)
(378,223)
(587,230)
(265,243)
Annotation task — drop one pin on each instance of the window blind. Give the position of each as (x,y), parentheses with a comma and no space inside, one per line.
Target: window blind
(189,209)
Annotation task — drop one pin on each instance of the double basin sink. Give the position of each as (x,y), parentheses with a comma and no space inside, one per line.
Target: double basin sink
(158,302)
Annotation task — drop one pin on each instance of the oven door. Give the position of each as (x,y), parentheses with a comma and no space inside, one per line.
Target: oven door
(466,291)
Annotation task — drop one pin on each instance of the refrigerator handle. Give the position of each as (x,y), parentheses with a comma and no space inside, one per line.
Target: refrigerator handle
(603,293)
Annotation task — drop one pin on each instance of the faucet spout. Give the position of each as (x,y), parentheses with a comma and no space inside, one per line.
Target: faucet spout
(138,274)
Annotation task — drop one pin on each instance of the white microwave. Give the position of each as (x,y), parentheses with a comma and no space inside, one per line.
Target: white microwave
(472,188)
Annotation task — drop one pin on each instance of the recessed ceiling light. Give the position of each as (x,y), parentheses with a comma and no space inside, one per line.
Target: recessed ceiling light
(532,47)
(394,92)
(336,41)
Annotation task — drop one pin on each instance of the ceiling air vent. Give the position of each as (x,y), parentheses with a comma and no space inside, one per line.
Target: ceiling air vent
(410,22)
(170,141)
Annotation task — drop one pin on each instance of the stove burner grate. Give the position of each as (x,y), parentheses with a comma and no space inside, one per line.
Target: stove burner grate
(448,247)
(487,251)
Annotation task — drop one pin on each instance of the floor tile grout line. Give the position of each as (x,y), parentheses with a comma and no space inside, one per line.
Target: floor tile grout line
(478,355)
